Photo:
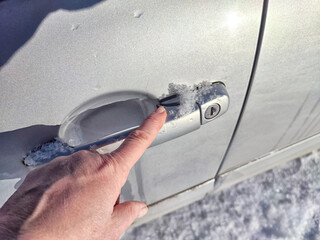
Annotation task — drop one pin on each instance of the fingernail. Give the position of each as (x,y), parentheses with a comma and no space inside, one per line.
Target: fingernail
(143,212)
(160,109)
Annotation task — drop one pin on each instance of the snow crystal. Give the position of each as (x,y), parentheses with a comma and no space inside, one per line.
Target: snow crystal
(46,152)
(137,13)
(189,95)
(282,203)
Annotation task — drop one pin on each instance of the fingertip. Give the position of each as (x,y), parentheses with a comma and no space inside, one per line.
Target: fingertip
(139,140)
(163,113)
(143,212)
(159,116)
(160,109)
(125,213)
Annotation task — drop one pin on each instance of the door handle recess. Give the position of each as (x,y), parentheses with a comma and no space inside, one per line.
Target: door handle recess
(211,101)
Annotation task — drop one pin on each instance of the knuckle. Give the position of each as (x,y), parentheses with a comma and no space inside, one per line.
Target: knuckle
(78,159)
(81,154)
(108,159)
(84,162)
(131,210)
(119,163)
(140,136)
(155,121)
(84,155)
(115,168)
(110,164)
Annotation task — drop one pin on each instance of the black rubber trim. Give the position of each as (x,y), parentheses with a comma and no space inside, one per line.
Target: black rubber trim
(253,71)
(164,100)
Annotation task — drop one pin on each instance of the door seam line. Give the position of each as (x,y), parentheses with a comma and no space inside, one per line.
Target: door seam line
(249,87)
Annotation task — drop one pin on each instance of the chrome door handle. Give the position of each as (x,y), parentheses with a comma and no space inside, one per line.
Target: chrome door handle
(211,102)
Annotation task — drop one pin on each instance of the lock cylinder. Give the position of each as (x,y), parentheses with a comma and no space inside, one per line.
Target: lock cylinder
(213,101)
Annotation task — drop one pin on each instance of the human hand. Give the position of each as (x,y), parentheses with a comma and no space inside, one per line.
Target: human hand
(74,197)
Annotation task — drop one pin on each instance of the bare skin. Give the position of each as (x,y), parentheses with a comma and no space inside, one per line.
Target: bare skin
(75,197)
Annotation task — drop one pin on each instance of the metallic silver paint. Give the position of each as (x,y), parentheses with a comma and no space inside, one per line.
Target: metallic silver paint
(283,106)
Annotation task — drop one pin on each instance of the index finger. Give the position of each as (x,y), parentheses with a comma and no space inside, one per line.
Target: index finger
(139,140)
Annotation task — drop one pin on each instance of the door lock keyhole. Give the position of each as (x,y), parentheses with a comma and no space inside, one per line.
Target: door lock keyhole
(212,111)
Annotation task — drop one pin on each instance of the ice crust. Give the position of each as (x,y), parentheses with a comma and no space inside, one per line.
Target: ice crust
(189,95)
(283,203)
(46,152)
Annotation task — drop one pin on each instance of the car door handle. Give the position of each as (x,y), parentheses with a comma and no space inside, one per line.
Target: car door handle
(104,122)
(185,114)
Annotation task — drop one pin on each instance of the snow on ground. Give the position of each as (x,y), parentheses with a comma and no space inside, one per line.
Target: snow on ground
(283,203)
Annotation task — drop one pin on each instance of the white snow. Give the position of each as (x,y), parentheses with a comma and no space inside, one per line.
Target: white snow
(283,203)
(46,152)
(137,13)
(189,95)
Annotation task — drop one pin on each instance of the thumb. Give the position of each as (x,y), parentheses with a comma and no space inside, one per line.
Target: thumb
(125,213)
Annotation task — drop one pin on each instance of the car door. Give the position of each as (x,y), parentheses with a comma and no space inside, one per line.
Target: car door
(282,112)
(70,57)
(286,85)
